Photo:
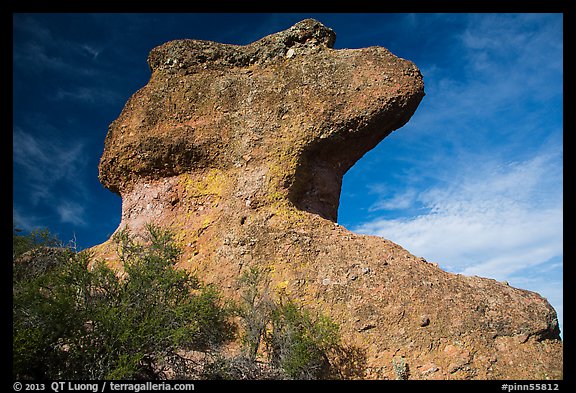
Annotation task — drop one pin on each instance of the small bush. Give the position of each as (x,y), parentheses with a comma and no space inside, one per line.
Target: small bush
(295,341)
(72,322)
(36,239)
(400,368)
(240,368)
(255,308)
(299,343)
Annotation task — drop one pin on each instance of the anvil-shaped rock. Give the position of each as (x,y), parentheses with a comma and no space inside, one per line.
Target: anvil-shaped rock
(240,150)
(288,104)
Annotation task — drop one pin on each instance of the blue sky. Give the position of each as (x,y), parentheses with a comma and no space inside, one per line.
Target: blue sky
(473,182)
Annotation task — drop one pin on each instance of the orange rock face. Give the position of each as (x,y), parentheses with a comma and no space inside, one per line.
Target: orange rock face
(241,150)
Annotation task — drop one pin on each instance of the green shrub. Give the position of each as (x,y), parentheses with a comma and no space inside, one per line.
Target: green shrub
(296,341)
(35,239)
(72,322)
(255,308)
(299,343)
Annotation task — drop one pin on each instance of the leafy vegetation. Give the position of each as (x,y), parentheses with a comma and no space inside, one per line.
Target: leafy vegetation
(255,308)
(75,321)
(295,341)
(36,238)
(75,318)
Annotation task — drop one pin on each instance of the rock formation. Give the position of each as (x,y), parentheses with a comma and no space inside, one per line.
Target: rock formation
(241,150)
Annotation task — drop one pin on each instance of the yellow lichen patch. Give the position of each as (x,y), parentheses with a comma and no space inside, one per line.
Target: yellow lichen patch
(180,238)
(282,285)
(281,169)
(208,183)
(205,224)
(288,213)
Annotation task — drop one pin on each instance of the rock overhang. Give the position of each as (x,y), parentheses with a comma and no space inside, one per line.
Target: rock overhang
(289,101)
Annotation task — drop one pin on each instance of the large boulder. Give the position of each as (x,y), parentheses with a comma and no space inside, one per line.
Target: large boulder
(241,150)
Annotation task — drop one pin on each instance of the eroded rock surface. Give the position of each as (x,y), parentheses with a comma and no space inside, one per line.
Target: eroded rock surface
(241,150)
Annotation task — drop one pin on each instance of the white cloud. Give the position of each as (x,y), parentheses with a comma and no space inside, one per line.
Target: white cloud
(72,213)
(91,50)
(491,219)
(43,51)
(46,159)
(480,187)
(46,169)
(25,221)
(401,200)
(90,95)
(504,62)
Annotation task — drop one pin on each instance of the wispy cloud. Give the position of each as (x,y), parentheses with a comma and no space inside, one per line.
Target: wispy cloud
(38,57)
(71,213)
(505,62)
(45,167)
(498,220)
(26,221)
(44,158)
(393,199)
(493,219)
(38,50)
(91,50)
(90,95)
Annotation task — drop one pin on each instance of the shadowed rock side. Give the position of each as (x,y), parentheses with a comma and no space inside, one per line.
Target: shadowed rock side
(241,150)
